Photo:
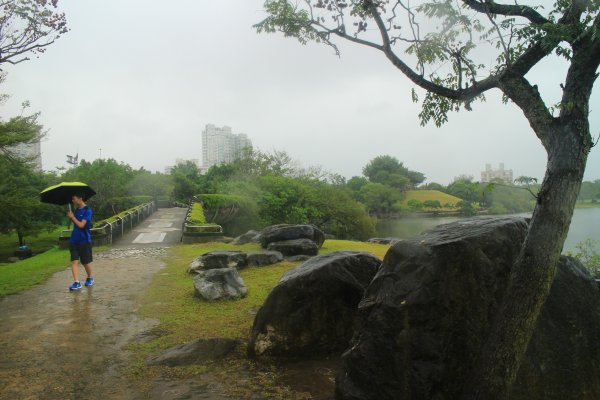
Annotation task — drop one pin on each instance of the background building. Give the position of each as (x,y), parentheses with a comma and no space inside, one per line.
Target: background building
(489,174)
(31,152)
(221,146)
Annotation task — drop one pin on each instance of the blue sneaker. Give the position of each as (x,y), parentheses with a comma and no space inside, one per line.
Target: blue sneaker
(89,281)
(75,286)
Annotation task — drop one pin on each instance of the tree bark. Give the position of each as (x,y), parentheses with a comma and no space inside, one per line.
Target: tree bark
(568,145)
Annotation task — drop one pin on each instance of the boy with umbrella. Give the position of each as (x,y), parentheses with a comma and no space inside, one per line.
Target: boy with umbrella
(81,240)
(81,237)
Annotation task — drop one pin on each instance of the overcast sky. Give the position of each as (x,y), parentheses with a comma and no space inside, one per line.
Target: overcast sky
(140,80)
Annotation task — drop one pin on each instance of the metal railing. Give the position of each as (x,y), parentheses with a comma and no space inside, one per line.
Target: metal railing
(106,232)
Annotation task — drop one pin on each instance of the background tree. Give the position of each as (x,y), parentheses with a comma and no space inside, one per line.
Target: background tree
(466,189)
(186,181)
(389,171)
(590,191)
(379,198)
(20,185)
(444,48)
(28,26)
(146,183)
(108,177)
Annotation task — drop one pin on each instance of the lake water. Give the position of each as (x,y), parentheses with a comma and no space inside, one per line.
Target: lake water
(584,225)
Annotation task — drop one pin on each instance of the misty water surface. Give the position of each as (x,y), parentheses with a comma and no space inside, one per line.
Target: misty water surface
(584,225)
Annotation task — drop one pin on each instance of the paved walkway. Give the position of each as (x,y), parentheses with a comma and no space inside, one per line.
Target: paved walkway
(60,345)
(162,228)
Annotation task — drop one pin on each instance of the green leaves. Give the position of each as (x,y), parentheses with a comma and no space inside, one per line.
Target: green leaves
(19,130)
(28,26)
(291,21)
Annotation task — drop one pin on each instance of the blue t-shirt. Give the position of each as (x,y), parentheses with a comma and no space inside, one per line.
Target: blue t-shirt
(79,235)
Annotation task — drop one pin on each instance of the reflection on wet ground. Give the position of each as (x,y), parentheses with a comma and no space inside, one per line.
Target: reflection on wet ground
(57,344)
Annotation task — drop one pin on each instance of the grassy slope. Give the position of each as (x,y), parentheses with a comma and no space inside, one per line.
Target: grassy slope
(22,275)
(424,195)
(183,317)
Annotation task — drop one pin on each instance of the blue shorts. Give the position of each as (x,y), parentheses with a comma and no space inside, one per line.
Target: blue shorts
(81,251)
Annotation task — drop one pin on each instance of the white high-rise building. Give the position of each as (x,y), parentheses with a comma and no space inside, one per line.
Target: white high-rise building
(505,174)
(221,146)
(32,152)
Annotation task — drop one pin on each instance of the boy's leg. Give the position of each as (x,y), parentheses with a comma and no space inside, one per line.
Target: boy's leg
(74,261)
(88,269)
(74,270)
(86,260)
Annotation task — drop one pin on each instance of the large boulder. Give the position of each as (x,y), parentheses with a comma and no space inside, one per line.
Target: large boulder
(283,232)
(248,237)
(219,284)
(195,352)
(295,247)
(388,240)
(312,309)
(218,259)
(260,258)
(426,314)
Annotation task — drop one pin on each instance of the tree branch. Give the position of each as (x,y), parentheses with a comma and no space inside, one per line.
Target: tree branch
(467,94)
(489,7)
(528,99)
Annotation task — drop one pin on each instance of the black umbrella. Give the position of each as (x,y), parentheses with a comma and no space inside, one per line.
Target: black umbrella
(63,192)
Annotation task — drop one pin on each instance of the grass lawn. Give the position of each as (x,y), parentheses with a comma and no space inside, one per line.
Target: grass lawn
(22,275)
(586,204)
(38,244)
(424,195)
(183,317)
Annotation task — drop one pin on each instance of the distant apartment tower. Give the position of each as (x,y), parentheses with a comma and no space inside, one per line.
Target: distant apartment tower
(221,146)
(32,152)
(489,174)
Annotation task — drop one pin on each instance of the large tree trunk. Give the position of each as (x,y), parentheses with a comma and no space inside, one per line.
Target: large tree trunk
(534,270)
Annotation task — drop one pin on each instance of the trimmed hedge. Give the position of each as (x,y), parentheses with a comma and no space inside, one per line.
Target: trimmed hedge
(196,215)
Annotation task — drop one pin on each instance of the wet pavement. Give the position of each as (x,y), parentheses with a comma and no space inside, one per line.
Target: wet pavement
(56,344)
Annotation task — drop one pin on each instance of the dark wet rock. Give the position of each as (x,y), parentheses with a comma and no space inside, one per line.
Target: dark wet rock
(425,315)
(389,240)
(284,232)
(218,259)
(312,309)
(195,352)
(220,284)
(295,247)
(299,258)
(260,258)
(248,237)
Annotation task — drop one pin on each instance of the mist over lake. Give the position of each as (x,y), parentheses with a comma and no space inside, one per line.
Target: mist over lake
(584,225)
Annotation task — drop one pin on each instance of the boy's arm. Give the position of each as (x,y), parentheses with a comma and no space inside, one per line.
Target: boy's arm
(80,224)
